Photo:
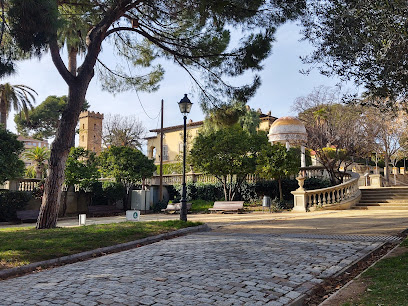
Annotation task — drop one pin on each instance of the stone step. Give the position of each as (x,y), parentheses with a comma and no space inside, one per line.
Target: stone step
(381,204)
(381,207)
(385,200)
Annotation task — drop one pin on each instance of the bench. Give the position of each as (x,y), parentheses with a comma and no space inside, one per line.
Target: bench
(227,206)
(27,215)
(174,207)
(103,211)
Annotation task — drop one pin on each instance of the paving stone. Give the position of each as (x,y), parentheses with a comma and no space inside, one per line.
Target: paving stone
(218,268)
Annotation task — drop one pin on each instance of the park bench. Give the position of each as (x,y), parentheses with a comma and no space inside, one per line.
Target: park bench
(27,215)
(175,207)
(103,211)
(225,206)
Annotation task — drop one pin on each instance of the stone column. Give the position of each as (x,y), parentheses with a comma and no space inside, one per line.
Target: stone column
(302,156)
(299,197)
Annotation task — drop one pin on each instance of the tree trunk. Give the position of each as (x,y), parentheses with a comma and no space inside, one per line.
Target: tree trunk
(280,189)
(59,153)
(72,68)
(3,114)
(386,169)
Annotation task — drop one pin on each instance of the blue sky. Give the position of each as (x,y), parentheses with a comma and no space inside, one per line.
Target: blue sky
(281,85)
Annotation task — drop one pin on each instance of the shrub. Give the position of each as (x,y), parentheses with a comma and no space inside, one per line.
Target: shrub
(107,193)
(248,192)
(11,202)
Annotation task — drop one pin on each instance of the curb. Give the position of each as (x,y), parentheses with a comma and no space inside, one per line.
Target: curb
(299,300)
(333,295)
(100,252)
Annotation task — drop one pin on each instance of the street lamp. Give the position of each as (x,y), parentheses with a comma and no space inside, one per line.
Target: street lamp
(185,107)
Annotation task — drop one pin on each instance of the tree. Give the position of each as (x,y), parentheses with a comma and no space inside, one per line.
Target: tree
(123,131)
(229,154)
(39,155)
(10,149)
(276,162)
(336,132)
(42,121)
(126,165)
(81,168)
(363,41)
(193,34)
(20,97)
(389,130)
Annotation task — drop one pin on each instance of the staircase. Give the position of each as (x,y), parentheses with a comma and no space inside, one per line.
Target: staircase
(386,198)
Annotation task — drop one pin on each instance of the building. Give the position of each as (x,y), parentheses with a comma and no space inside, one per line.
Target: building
(90,131)
(30,143)
(173,138)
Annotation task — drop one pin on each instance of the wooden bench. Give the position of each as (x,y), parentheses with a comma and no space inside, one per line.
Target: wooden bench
(28,215)
(175,207)
(227,206)
(103,211)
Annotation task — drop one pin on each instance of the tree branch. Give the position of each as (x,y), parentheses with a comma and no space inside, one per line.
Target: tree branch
(59,64)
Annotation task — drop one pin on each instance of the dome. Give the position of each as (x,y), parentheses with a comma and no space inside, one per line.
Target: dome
(287,129)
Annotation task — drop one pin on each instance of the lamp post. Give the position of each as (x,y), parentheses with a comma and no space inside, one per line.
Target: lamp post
(185,107)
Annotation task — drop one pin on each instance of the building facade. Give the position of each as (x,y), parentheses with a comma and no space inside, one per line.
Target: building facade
(173,138)
(30,143)
(90,131)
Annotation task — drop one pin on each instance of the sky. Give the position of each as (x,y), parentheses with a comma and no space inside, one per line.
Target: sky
(282,83)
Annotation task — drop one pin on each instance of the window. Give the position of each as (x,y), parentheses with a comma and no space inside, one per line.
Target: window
(83,138)
(165,152)
(181,147)
(83,126)
(94,126)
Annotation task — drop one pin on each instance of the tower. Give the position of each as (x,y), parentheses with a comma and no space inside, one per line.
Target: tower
(90,131)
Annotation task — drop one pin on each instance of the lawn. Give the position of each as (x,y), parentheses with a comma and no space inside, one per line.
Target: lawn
(201,205)
(20,246)
(388,281)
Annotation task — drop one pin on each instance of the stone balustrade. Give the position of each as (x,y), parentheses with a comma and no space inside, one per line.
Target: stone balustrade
(342,196)
(28,184)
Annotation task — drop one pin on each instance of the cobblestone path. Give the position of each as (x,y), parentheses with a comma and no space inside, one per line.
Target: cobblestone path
(200,269)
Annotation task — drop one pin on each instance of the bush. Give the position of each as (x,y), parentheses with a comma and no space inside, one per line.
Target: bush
(248,192)
(11,202)
(107,193)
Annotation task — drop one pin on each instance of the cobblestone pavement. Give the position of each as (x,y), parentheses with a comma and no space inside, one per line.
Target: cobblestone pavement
(212,268)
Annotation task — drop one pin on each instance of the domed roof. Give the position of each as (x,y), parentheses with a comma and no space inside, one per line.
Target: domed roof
(287,129)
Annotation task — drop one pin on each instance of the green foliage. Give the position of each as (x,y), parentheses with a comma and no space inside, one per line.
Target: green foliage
(43,120)
(39,155)
(157,207)
(81,168)
(30,172)
(248,192)
(33,23)
(11,202)
(228,115)
(363,41)
(126,165)
(10,149)
(275,161)
(18,97)
(229,154)
(107,193)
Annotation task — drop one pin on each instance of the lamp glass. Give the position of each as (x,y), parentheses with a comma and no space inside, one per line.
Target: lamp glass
(185,105)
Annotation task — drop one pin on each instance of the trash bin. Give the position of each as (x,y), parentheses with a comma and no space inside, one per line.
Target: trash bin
(266,202)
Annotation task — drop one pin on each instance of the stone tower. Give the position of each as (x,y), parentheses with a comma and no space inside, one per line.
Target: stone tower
(90,131)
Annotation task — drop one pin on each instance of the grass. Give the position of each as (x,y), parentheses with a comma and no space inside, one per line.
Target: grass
(20,246)
(201,205)
(388,281)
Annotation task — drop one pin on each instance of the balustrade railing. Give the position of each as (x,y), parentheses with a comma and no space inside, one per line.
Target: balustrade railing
(340,196)
(28,184)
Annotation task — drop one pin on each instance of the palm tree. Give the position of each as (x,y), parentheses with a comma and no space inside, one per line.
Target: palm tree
(39,155)
(18,97)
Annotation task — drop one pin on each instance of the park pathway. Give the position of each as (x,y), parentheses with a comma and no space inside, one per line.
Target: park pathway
(222,267)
